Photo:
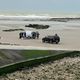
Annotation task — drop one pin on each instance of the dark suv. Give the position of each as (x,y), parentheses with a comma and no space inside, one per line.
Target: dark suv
(51,39)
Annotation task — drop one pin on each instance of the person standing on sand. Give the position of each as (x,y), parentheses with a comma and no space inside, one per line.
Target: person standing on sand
(37,35)
(56,37)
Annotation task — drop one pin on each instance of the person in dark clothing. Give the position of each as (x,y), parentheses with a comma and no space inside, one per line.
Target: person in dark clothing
(56,38)
(20,35)
(37,35)
(33,35)
(24,35)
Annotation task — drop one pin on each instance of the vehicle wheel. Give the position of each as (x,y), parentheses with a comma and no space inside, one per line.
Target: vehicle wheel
(51,41)
(28,37)
(33,37)
(57,42)
(43,41)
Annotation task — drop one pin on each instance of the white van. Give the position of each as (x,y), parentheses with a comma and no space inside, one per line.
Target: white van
(28,34)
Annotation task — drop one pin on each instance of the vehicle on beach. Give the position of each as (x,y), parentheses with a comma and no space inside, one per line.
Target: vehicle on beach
(29,34)
(51,39)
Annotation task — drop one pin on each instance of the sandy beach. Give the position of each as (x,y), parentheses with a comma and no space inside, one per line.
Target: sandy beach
(69,33)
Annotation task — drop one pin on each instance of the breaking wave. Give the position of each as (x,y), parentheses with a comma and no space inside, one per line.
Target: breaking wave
(24,17)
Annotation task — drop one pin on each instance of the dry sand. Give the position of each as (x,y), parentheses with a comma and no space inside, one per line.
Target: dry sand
(69,34)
